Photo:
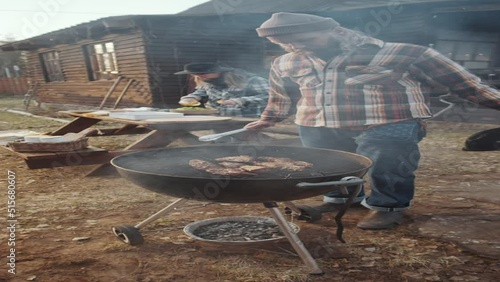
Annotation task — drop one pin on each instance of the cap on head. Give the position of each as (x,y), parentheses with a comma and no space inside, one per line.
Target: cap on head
(287,23)
(201,68)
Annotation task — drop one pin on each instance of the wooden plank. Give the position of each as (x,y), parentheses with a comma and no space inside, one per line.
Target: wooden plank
(75,126)
(74,159)
(110,91)
(123,93)
(82,115)
(44,155)
(155,139)
(125,130)
(89,155)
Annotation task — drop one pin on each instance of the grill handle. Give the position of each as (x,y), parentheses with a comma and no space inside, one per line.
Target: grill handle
(346,181)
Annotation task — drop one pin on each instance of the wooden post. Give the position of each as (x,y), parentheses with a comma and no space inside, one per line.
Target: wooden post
(110,91)
(123,93)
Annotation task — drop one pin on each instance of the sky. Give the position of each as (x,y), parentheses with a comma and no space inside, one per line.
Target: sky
(20,19)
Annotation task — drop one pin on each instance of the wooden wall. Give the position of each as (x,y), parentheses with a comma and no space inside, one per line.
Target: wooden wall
(14,85)
(77,89)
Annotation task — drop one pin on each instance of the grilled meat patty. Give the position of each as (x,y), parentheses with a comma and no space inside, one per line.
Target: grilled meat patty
(217,169)
(285,160)
(246,165)
(238,159)
(232,164)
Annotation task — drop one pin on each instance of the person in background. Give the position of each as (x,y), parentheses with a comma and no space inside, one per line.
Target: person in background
(362,95)
(233,92)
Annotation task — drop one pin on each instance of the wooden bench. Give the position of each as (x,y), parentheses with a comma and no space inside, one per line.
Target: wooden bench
(87,156)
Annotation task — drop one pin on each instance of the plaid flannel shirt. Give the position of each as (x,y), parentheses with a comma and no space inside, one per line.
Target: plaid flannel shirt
(373,84)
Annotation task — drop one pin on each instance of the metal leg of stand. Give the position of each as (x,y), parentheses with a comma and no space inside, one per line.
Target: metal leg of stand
(162,212)
(293,239)
(293,207)
(343,209)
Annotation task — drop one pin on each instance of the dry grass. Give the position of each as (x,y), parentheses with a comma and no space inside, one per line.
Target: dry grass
(247,269)
(61,198)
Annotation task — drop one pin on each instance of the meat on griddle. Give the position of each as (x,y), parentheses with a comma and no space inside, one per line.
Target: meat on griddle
(282,163)
(245,165)
(217,169)
(285,160)
(231,164)
(254,168)
(237,159)
(281,166)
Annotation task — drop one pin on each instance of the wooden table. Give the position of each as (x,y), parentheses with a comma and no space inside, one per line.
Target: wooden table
(155,133)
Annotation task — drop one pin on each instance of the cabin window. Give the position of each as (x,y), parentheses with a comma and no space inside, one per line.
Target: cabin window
(51,66)
(471,50)
(101,61)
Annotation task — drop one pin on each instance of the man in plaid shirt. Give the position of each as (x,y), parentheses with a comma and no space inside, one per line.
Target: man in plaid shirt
(362,95)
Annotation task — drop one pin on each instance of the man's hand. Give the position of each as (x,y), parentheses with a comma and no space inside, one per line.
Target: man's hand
(259,124)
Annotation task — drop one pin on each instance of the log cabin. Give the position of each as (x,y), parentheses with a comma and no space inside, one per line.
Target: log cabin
(81,65)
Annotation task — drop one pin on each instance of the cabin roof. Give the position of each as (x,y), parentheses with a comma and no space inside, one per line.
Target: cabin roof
(265,6)
(219,8)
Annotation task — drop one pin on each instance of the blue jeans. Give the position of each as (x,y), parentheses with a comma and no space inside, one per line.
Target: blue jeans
(393,148)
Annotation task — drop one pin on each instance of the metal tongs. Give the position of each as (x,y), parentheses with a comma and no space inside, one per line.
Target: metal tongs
(213,137)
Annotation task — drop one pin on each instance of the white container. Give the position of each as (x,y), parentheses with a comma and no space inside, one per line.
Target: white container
(52,139)
(32,138)
(144,115)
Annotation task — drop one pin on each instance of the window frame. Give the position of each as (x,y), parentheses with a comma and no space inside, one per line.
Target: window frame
(101,64)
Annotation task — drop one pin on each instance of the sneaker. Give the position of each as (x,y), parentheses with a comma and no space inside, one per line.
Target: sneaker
(377,220)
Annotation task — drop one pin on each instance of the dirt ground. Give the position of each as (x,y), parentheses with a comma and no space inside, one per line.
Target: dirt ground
(64,221)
